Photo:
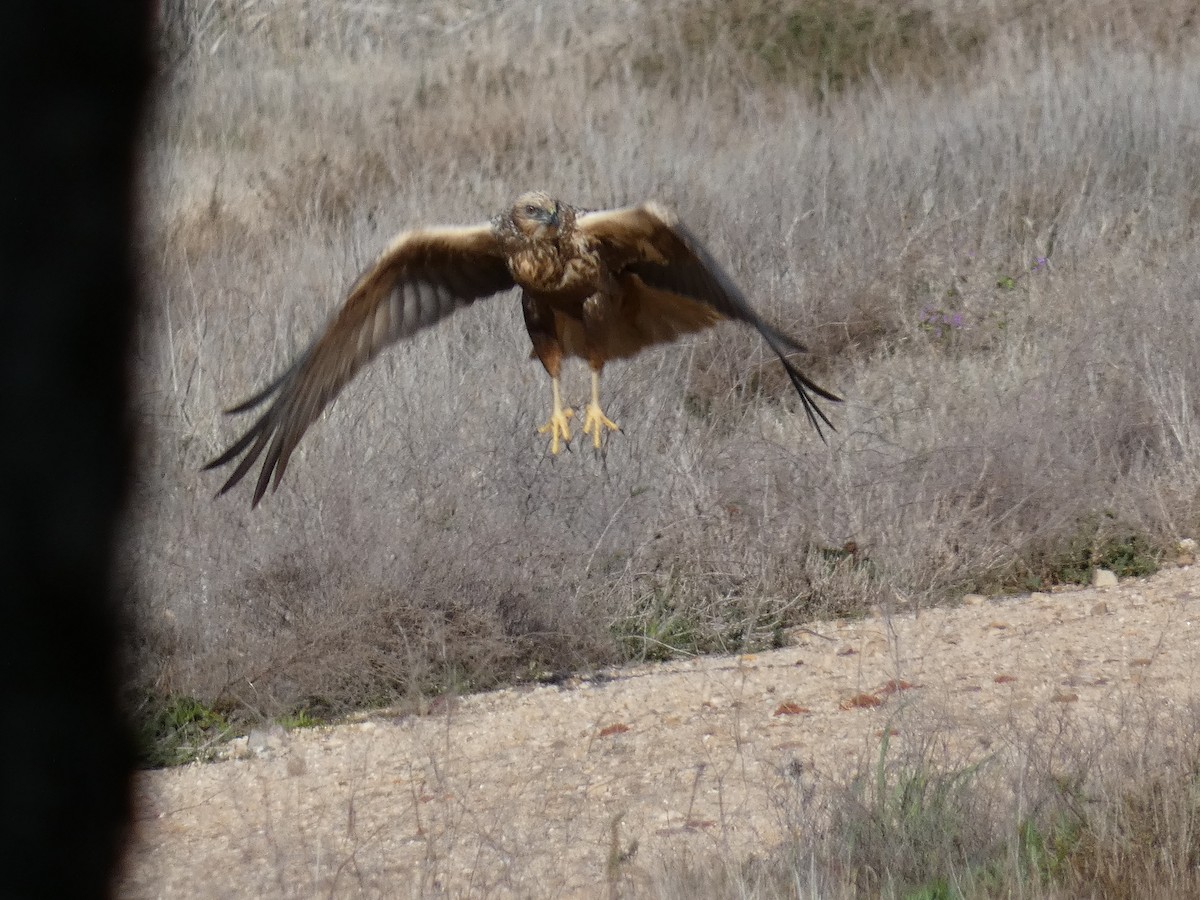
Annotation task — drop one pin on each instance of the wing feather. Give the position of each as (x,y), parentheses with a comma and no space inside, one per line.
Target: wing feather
(422,277)
(650,242)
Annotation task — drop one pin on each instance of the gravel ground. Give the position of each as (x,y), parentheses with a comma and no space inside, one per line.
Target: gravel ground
(539,791)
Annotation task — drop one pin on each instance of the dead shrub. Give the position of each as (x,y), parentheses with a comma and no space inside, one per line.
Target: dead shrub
(996,268)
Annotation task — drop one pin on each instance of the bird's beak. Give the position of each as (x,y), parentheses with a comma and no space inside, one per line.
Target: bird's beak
(554,215)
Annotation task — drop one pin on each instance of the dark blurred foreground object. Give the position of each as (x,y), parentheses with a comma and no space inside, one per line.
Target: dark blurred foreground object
(72,79)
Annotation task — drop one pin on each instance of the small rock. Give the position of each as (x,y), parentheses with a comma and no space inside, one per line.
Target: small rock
(296,766)
(266,741)
(239,748)
(791,709)
(1100,609)
(1103,578)
(974,600)
(1187,545)
(860,701)
(1185,559)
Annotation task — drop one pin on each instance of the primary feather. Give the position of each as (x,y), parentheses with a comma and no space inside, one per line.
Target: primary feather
(597,285)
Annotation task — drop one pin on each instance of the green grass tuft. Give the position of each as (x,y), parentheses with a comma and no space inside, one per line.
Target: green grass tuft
(178,729)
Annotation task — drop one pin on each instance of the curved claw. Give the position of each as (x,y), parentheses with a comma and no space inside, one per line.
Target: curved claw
(595,421)
(557,426)
(559,429)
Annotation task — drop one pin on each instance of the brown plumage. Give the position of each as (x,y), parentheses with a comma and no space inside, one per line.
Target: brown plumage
(596,285)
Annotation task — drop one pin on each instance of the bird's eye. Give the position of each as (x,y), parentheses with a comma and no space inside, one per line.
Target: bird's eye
(531,210)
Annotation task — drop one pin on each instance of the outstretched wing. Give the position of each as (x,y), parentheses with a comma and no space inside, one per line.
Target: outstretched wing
(672,271)
(421,278)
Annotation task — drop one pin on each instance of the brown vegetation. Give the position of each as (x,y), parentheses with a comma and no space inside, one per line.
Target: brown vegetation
(983,225)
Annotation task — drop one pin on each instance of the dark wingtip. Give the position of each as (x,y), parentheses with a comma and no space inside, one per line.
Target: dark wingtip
(259,398)
(217,461)
(801,382)
(803,385)
(255,439)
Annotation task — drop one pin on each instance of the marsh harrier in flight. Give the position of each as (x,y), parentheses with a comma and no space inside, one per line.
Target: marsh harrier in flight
(599,285)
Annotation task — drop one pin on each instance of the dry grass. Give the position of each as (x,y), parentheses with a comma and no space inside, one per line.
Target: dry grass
(1008,422)
(1052,812)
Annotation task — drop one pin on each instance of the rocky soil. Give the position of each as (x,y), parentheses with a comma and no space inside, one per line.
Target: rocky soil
(563,790)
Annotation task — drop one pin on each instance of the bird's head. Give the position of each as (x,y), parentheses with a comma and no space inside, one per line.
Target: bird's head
(536,214)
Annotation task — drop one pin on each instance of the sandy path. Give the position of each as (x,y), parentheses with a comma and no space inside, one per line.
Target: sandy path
(518,793)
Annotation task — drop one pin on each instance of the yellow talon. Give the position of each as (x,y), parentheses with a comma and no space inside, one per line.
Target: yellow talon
(557,425)
(594,419)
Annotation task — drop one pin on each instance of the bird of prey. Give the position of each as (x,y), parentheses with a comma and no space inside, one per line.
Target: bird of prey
(598,285)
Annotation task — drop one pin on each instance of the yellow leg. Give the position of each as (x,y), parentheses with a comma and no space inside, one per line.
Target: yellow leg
(594,418)
(557,426)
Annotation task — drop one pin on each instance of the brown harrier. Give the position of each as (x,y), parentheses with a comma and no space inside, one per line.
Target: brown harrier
(598,285)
